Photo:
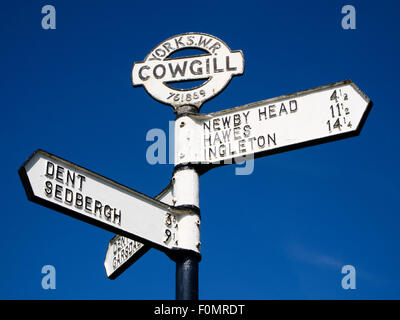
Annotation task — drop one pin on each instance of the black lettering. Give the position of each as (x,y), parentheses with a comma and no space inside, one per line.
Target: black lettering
(212,152)
(117,216)
(222,150)
(236,120)
(143,78)
(231,152)
(261,141)
(190,40)
(216,70)
(246,115)
(177,69)
(215,47)
(49,188)
(216,137)
(226,121)
(59,173)
(82,179)
(107,212)
(293,106)
(271,110)
(178,43)
(207,139)
(242,146)
(69,196)
(163,70)
(199,70)
(71,178)
(270,139)
(282,109)
(216,124)
(160,52)
(236,133)
(153,57)
(228,67)
(167,46)
(262,113)
(226,135)
(204,42)
(58,192)
(50,169)
(79,200)
(246,131)
(97,207)
(88,204)
(251,142)
(208,66)
(205,125)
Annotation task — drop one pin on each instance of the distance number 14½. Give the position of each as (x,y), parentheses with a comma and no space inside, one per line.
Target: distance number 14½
(339,111)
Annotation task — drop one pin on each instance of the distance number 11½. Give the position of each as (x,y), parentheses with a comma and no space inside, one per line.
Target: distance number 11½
(339,111)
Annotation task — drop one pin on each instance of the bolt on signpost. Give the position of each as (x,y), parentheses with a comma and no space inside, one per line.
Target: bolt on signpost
(171,221)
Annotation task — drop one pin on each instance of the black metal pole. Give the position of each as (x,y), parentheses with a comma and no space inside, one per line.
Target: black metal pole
(187,277)
(187,263)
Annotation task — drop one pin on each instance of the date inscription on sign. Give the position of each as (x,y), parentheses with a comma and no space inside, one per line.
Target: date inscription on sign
(160,70)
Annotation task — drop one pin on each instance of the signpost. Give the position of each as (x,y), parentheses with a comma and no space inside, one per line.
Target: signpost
(171,221)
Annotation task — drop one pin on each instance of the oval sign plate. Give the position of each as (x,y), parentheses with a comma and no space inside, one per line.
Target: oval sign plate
(216,66)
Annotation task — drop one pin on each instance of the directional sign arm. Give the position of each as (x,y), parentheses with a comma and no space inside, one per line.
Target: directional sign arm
(122,252)
(289,122)
(87,196)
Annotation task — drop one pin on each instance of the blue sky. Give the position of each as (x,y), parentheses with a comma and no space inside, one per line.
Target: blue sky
(283,232)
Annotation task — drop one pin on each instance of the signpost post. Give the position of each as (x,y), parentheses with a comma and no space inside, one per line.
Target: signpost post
(171,221)
(217,66)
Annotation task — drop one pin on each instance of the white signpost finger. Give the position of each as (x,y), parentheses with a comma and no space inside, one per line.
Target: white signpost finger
(284,123)
(61,185)
(122,252)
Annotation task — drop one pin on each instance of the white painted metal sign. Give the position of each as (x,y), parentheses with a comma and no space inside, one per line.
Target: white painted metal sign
(85,195)
(159,70)
(122,252)
(288,122)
